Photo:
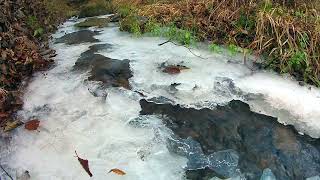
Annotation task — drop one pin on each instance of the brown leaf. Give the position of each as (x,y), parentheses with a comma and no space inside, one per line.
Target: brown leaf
(85,164)
(172,70)
(4,115)
(12,125)
(117,171)
(32,125)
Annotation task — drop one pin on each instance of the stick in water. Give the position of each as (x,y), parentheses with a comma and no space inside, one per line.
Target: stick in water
(6,172)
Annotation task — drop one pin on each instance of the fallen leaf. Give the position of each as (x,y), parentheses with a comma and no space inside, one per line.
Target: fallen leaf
(12,125)
(4,115)
(85,164)
(172,70)
(32,125)
(117,171)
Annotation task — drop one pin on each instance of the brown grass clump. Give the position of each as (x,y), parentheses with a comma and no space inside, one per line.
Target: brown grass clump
(25,26)
(285,32)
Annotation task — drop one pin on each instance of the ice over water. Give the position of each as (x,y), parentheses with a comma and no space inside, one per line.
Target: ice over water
(101,129)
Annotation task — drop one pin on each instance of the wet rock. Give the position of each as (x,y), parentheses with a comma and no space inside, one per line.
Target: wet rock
(161,100)
(200,174)
(78,37)
(223,163)
(260,140)
(115,18)
(92,22)
(88,58)
(111,72)
(92,50)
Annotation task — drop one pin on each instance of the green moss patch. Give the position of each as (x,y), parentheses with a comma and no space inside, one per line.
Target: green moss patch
(93,22)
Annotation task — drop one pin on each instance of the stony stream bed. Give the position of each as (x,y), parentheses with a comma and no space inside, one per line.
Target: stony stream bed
(160,112)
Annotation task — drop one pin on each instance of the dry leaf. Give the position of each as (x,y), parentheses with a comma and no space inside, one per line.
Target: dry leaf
(85,164)
(4,115)
(12,125)
(117,171)
(172,70)
(32,125)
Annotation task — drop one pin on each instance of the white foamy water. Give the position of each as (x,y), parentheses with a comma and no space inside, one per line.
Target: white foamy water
(72,119)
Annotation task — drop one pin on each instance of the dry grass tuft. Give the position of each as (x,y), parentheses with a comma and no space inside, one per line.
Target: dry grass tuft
(286,32)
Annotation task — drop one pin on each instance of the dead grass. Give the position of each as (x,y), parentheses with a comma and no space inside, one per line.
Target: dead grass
(285,32)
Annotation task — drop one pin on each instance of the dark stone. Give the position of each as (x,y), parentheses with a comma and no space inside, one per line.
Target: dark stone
(78,37)
(260,140)
(115,18)
(200,174)
(111,72)
(88,58)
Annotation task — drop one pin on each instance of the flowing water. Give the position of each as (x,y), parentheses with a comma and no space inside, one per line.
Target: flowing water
(108,130)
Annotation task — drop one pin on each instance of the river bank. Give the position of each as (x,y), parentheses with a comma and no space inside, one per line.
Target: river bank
(285,34)
(25,28)
(25,33)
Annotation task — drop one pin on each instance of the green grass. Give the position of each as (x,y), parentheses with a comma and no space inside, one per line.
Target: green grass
(215,48)
(234,49)
(34,24)
(153,28)
(96,8)
(131,24)
(182,36)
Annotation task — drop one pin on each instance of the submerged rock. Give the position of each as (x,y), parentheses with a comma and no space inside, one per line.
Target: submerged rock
(260,141)
(78,37)
(111,72)
(92,22)
(200,174)
(115,18)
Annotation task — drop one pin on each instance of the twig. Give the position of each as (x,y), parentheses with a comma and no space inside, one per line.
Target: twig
(169,41)
(164,42)
(6,172)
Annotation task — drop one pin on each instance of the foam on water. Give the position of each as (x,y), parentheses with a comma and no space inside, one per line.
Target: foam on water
(102,130)
(73,119)
(279,96)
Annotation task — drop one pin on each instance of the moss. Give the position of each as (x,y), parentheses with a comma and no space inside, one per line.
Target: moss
(34,24)
(91,22)
(96,8)
(131,24)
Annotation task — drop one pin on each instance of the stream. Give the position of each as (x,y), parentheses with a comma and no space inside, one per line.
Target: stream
(161,113)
